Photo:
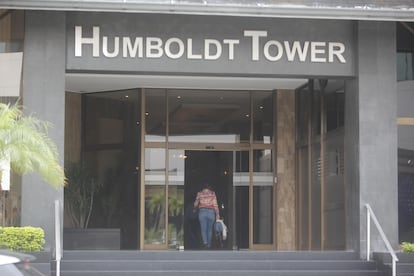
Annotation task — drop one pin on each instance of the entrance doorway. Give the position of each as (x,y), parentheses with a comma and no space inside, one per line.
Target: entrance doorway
(223,137)
(277,172)
(227,171)
(216,169)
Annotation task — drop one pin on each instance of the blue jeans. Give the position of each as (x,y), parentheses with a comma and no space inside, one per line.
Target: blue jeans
(206,218)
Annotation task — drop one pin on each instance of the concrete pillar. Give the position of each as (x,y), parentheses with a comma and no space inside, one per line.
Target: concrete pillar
(371,136)
(44,97)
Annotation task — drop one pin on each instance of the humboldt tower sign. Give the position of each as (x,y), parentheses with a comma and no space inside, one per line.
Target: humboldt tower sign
(160,43)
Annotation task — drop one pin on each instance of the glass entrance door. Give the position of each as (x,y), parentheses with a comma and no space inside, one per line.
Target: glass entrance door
(222,137)
(170,222)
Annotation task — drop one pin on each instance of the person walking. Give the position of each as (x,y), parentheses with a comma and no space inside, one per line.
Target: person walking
(208,213)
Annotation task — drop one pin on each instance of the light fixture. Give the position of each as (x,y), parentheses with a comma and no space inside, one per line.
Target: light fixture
(178,97)
(146,113)
(126,96)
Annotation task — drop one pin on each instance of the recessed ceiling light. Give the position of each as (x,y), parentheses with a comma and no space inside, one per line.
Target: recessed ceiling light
(178,97)
(126,96)
(146,113)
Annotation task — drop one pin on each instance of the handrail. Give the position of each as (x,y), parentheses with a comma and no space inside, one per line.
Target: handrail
(58,242)
(370,213)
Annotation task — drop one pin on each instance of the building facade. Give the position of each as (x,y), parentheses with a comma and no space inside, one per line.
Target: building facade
(293,119)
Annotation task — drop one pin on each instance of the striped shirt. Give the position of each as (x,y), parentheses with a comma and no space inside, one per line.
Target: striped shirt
(207,199)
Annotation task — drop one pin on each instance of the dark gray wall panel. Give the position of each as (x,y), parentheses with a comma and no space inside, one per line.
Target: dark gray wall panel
(377,128)
(44,96)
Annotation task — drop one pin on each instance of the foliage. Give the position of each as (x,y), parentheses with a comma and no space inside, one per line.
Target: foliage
(407,247)
(22,238)
(25,143)
(79,194)
(175,206)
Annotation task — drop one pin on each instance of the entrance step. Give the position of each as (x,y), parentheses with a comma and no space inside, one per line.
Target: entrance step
(405,265)
(200,263)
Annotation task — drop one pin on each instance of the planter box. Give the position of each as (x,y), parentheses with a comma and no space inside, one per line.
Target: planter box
(91,239)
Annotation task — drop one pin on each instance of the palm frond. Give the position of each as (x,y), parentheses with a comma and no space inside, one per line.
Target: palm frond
(24,140)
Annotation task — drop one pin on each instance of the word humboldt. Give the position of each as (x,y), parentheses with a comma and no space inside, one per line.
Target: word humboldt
(211,49)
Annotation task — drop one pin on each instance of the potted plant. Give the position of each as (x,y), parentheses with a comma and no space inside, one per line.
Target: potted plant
(80,193)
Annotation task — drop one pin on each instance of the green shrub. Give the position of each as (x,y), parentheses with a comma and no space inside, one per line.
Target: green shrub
(22,238)
(407,247)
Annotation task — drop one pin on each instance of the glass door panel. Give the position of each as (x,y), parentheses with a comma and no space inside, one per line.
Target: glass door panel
(154,179)
(241,207)
(262,197)
(176,171)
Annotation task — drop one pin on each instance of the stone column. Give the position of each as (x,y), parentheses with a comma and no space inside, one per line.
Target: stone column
(286,171)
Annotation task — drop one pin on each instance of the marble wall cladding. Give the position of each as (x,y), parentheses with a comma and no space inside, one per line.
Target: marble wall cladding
(285,188)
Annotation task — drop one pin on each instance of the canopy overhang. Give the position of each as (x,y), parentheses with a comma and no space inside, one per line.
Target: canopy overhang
(385,10)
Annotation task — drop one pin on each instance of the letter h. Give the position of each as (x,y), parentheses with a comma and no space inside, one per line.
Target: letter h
(79,41)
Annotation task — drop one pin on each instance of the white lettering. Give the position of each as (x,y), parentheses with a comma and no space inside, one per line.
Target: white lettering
(255,35)
(180,45)
(154,47)
(336,49)
(279,50)
(207,52)
(79,41)
(105,51)
(190,54)
(315,50)
(131,50)
(231,43)
(208,49)
(296,49)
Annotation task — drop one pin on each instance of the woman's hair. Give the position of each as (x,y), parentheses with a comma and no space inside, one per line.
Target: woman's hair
(206,185)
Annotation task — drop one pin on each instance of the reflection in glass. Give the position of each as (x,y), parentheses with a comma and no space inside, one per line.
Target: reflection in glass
(263,117)
(110,154)
(213,117)
(176,174)
(155,112)
(315,191)
(12,31)
(303,161)
(154,196)
(262,197)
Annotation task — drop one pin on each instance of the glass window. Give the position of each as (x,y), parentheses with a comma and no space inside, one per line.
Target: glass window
(107,168)
(11,31)
(263,117)
(155,115)
(405,66)
(176,174)
(241,181)
(406,182)
(262,197)
(315,191)
(209,116)
(154,196)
